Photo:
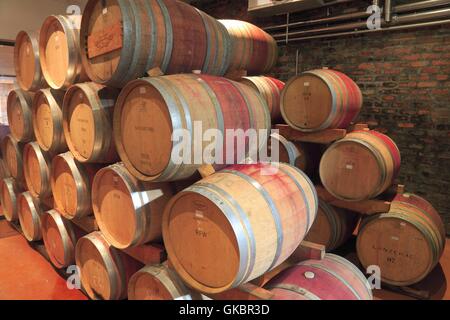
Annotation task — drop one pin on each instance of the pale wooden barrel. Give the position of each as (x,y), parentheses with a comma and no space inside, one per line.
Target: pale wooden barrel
(150,110)
(105,271)
(406,243)
(253,49)
(71,185)
(47,121)
(9,191)
(270,89)
(320,99)
(128,211)
(13,155)
(60,237)
(37,169)
(19,115)
(159,282)
(30,211)
(332,227)
(215,240)
(26,62)
(87,121)
(59,51)
(123,40)
(361,166)
(333,278)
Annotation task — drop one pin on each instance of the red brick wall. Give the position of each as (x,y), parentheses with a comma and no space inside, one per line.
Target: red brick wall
(404,76)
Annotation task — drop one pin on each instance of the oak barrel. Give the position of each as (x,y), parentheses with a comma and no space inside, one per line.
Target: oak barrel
(10,189)
(128,211)
(30,211)
(47,120)
(60,238)
(152,112)
(37,168)
(215,240)
(4,172)
(122,40)
(270,89)
(158,282)
(105,271)
(12,151)
(320,99)
(71,186)
(361,166)
(406,243)
(332,227)
(19,112)
(87,121)
(26,62)
(59,51)
(333,278)
(253,49)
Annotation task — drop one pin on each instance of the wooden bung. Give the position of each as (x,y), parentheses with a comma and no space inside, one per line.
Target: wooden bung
(47,121)
(105,271)
(216,242)
(123,40)
(30,210)
(159,282)
(59,51)
(26,62)
(87,121)
(10,189)
(150,110)
(12,151)
(19,105)
(321,99)
(37,169)
(406,243)
(332,278)
(270,89)
(71,186)
(252,49)
(60,237)
(361,166)
(128,211)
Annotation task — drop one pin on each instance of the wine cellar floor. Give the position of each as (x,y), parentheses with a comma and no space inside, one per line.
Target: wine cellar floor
(26,275)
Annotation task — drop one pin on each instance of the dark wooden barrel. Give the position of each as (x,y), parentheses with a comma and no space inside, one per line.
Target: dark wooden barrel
(13,155)
(10,189)
(215,241)
(87,121)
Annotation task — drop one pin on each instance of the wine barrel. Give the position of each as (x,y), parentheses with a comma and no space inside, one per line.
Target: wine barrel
(150,111)
(128,211)
(30,211)
(26,62)
(37,168)
(71,186)
(270,89)
(361,166)
(158,282)
(332,227)
(59,51)
(105,271)
(406,243)
(333,278)
(9,191)
(60,238)
(253,49)
(215,241)
(87,121)
(4,172)
(125,39)
(320,99)
(47,121)
(13,154)
(19,115)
